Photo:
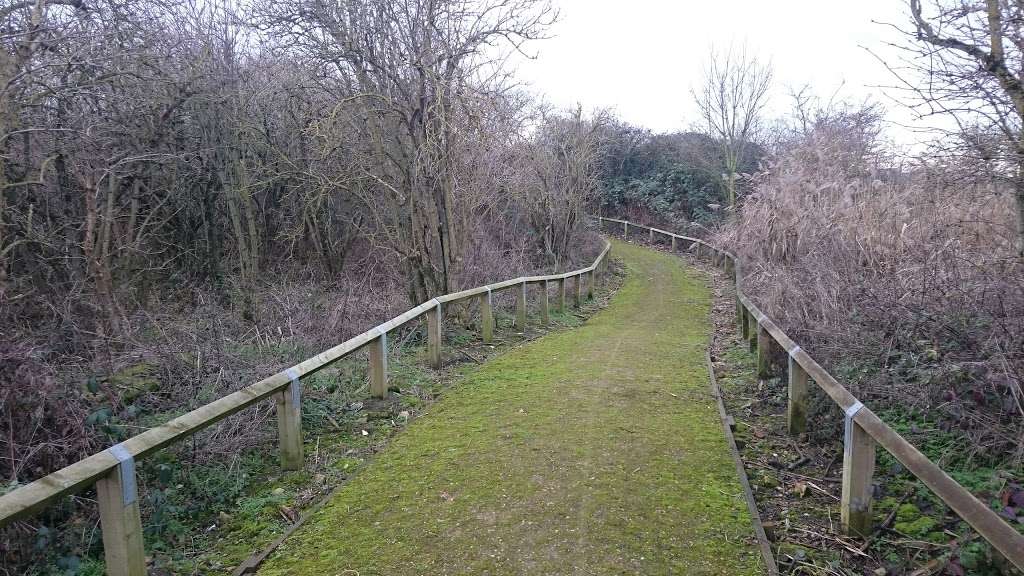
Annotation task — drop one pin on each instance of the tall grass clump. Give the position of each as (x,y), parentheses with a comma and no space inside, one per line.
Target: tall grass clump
(901,275)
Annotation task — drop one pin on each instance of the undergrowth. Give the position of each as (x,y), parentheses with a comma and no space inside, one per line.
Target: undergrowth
(203,516)
(796,479)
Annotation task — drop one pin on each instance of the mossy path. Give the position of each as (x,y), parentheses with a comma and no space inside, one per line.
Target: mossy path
(592,451)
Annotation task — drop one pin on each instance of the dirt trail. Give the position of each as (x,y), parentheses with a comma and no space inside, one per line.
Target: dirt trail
(591,451)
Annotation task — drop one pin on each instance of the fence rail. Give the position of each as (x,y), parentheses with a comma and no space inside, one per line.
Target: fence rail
(862,428)
(113,470)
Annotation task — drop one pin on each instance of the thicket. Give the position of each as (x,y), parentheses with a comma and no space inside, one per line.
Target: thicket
(901,274)
(674,179)
(194,195)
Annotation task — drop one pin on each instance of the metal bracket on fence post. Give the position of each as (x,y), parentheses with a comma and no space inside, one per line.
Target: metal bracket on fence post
(848,425)
(289,422)
(858,469)
(121,524)
(126,468)
(295,389)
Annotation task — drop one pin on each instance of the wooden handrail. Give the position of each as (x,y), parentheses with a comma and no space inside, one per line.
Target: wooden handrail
(119,513)
(856,512)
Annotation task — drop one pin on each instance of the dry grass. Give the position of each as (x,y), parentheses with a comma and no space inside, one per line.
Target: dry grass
(904,280)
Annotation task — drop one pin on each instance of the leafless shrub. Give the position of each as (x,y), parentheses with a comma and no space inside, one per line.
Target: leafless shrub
(901,277)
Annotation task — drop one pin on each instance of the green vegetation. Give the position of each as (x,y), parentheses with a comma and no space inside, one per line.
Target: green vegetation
(203,516)
(919,527)
(596,450)
(671,177)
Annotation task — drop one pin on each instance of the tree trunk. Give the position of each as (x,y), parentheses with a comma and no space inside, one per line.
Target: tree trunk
(1019,193)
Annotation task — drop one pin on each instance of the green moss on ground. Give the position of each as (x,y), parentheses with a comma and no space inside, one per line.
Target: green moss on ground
(597,450)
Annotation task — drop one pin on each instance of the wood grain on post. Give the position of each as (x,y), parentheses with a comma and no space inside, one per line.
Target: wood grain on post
(578,291)
(521,307)
(796,412)
(434,336)
(379,366)
(858,468)
(486,317)
(545,306)
(590,285)
(561,294)
(289,426)
(650,237)
(625,230)
(121,522)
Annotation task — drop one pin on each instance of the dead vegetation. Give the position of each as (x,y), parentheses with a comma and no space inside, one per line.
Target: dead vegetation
(796,480)
(900,275)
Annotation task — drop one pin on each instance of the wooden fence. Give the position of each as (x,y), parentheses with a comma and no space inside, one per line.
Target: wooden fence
(113,470)
(862,428)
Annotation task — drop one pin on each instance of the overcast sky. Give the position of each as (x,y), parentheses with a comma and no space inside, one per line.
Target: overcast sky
(641,57)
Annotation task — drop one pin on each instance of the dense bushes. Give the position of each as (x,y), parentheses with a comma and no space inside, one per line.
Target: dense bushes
(670,179)
(156,157)
(193,196)
(902,276)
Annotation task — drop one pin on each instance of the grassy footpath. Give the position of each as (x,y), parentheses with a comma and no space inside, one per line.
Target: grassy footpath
(591,451)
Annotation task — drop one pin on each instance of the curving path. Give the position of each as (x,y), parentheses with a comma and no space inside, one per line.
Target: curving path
(592,451)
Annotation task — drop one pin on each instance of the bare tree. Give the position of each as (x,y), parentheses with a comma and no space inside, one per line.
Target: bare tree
(731,101)
(565,155)
(964,60)
(415,71)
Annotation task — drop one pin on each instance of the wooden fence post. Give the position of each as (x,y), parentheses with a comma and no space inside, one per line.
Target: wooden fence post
(764,358)
(434,336)
(590,285)
(486,316)
(379,366)
(625,230)
(650,238)
(578,290)
(752,337)
(521,308)
(673,243)
(739,313)
(796,412)
(561,294)
(858,468)
(289,423)
(120,522)
(545,310)
(745,326)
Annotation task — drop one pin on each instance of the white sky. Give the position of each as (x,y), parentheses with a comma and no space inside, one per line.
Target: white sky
(641,57)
